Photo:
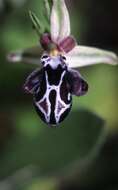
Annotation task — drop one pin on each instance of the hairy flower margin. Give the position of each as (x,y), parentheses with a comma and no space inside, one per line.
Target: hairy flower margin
(59,38)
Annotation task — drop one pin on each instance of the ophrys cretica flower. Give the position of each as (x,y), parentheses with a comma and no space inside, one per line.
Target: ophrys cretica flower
(53,85)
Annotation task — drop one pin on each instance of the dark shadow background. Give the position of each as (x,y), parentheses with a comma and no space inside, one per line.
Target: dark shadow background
(82,153)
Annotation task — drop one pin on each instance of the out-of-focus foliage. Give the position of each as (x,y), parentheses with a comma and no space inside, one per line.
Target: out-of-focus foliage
(29,150)
(50,149)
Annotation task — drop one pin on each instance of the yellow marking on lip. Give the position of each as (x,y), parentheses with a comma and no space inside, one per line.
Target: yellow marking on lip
(54,52)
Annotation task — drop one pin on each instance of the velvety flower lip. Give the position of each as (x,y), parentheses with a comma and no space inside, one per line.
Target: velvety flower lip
(60,37)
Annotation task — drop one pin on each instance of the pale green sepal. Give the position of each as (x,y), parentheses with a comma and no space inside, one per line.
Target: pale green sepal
(65,22)
(60,22)
(54,21)
(28,56)
(83,56)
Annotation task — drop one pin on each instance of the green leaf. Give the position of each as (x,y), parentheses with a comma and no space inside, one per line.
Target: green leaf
(36,23)
(51,149)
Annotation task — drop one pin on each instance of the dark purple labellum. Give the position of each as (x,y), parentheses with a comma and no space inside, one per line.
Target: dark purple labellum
(52,88)
(53,102)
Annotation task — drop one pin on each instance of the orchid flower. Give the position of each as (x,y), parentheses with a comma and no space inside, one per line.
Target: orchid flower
(52,86)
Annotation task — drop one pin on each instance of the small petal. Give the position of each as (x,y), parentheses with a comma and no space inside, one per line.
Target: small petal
(67,44)
(60,22)
(82,56)
(45,41)
(28,56)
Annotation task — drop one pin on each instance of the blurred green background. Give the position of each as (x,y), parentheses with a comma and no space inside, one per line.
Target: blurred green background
(82,153)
